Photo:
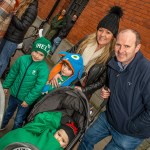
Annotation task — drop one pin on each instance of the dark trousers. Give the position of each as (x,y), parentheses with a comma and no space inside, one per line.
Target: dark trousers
(13,104)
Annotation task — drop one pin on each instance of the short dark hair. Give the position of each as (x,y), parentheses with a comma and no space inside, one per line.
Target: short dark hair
(138,37)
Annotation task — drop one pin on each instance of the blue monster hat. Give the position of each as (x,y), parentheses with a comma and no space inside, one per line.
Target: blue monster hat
(75,62)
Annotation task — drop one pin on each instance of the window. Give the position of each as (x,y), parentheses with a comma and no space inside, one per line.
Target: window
(76,7)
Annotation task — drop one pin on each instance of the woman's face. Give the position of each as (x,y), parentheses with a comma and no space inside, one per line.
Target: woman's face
(62,138)
(104,36)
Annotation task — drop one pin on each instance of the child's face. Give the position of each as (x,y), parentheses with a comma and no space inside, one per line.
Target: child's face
(37,56)
(62,138)
(66,70)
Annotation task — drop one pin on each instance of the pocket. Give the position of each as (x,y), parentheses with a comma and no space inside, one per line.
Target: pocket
(132,128)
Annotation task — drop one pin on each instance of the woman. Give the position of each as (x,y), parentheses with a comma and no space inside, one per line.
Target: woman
(96,50)
(20,23)
(7,8)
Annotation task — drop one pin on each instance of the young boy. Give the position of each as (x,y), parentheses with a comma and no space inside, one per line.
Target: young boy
(25,80)
(66,134)
(45,131)
(70,67)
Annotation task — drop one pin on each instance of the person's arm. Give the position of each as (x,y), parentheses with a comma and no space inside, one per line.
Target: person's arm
(53,22)
(28,17)
(141,124)
(54,80)
(40,82)
(96,78)
(91,88)
(61,24)
(14,70)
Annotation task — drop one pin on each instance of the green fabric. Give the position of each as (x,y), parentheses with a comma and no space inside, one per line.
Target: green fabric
(38,133)
(27,78)
(55,26)
(58,24)
(43,45)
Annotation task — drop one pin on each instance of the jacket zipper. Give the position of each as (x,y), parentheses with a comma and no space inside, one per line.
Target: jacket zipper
(23,79)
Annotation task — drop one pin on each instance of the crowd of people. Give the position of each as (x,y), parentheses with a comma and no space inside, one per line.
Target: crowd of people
(106,58)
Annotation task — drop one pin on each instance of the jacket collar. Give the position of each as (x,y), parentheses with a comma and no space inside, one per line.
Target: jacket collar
(113,63)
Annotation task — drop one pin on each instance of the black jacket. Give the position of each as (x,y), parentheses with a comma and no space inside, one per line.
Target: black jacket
(96,77)
(65,30)
(18,28)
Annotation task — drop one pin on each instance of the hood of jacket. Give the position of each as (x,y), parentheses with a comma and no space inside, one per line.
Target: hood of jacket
(75,62)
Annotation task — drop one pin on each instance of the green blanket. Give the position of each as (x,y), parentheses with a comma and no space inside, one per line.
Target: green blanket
(39,132)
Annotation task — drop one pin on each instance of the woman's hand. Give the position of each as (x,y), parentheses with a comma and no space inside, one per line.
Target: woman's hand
(24,104)
(105,93)
(54,81)
(6,91)
(78,87)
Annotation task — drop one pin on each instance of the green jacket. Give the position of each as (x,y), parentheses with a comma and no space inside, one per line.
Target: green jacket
(39,132)
(58,24)
(27,78)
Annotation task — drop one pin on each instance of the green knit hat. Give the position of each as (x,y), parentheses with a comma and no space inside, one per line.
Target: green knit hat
(43,45)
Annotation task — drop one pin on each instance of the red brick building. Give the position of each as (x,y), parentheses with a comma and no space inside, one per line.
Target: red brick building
(136,16)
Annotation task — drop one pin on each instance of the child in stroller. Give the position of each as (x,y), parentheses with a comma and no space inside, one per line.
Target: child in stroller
(66,102)
(45,131)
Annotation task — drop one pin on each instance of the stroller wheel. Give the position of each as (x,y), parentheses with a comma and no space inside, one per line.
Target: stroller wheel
(20,146)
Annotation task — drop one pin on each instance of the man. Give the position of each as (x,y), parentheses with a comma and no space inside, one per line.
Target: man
(127,116)
(57,23)
(64,32)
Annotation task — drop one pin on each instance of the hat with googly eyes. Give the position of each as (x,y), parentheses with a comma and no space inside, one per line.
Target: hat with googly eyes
(74,61)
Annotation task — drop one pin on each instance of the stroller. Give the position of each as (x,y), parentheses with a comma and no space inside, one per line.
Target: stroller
(71,102)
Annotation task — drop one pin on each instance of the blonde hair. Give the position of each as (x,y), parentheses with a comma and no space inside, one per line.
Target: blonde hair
(22,8)
(107,53)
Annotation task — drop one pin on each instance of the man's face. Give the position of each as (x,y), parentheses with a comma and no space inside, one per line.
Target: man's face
(125,47)
(74,18)
(62,138)
(63,12)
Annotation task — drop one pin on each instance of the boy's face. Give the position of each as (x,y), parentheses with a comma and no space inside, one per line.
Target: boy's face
(62,138)
(37,56)
(66,70)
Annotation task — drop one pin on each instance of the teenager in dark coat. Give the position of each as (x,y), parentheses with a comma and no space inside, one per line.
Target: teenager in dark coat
(17,29)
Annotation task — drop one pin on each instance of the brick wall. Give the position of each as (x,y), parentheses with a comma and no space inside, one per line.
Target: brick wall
(45,7)
(136,16)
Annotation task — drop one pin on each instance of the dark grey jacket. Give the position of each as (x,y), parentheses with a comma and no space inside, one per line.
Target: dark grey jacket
(65,30)
(18,28)
(71,102)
